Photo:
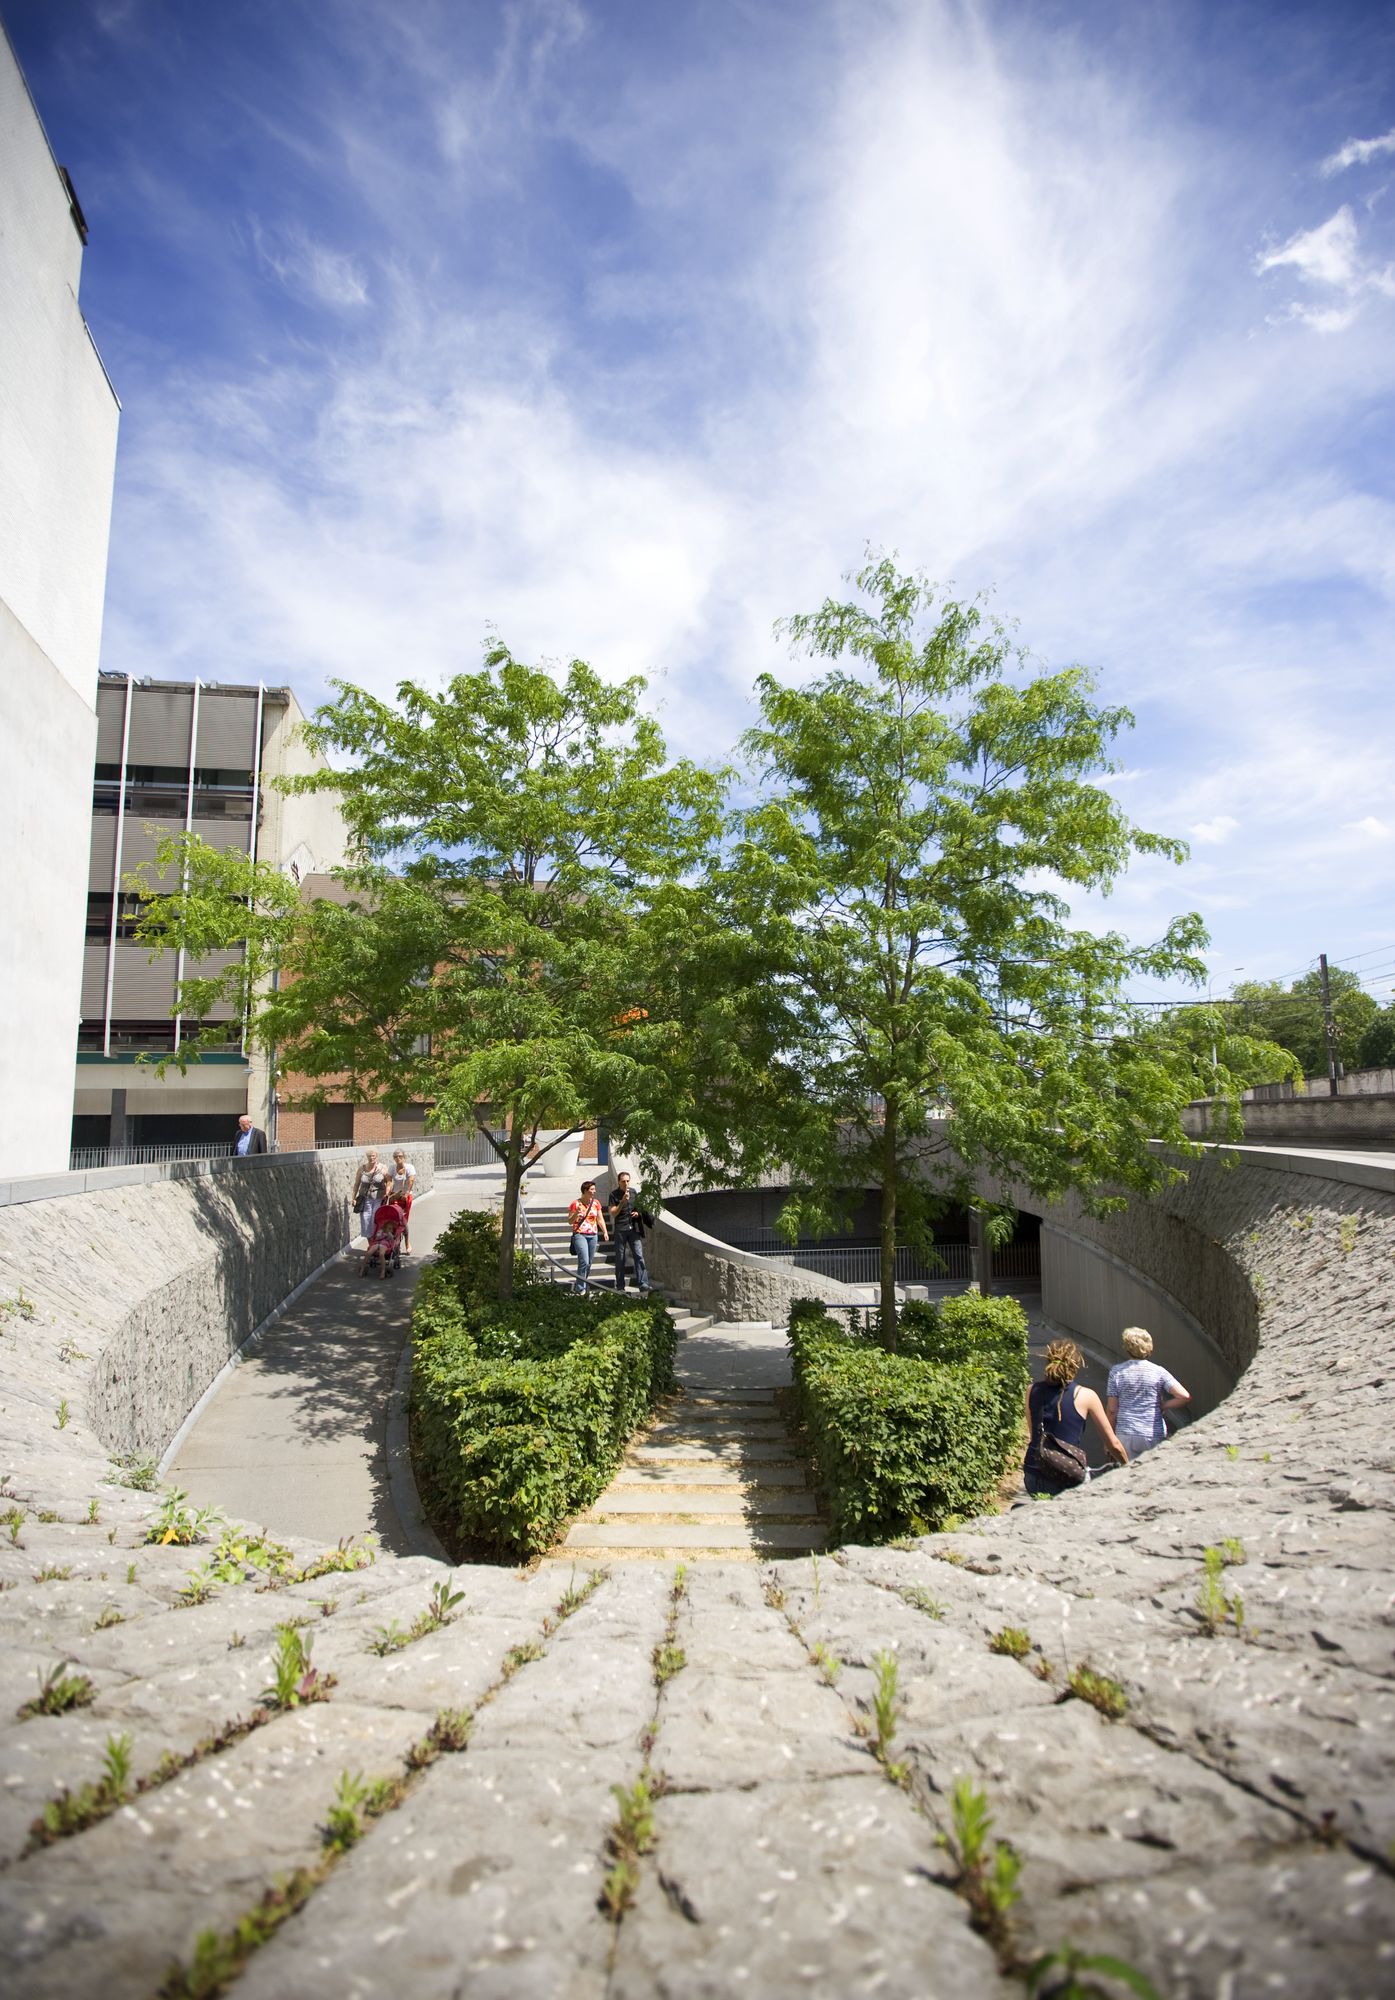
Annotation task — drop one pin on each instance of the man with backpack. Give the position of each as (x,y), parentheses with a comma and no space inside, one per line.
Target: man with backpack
(627,1225)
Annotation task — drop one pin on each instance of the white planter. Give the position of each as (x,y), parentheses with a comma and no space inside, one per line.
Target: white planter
(562,1162)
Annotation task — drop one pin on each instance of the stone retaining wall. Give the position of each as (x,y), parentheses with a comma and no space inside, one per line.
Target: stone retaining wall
(162,1276)
(712,1277)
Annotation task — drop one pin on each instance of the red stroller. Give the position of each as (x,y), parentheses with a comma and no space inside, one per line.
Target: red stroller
(385,1244)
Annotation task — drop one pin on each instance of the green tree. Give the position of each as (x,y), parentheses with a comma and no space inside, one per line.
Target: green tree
(922,814)
(1376,1049)
(1292,1016)
(522,844)
(1220,1040)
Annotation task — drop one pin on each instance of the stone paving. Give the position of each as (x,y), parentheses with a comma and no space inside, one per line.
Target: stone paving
(1230,1833)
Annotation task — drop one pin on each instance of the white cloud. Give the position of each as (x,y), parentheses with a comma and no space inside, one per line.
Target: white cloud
(1214,832)
(1326,255)
(1375,828)
(308,269)
(1357,152)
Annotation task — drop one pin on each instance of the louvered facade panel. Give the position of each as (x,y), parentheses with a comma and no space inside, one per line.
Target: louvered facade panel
(143,990)
(217,961)
(227,731)
(160,719)
(103,852)
(111,707)
(225,833)
(94,982)
(139,840)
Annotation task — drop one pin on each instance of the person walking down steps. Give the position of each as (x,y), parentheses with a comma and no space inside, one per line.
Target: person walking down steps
(587,1219)
(627,1224)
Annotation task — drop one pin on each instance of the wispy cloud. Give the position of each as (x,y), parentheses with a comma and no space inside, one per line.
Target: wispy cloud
(1358,153)
(308,269)
(1214,832)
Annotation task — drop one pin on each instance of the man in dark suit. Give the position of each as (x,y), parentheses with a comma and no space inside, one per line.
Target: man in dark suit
(250,1138)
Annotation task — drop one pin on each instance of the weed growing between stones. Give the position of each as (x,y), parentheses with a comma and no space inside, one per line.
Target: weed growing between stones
(519,1656)
(53,1573)
(986,1874)
(47,1514)
(887,1708)
(1099,1690)
(107,1616)
(352,1553)
(668,1661)
(1070,1963)
(136,1469)
(235,1640)
(177,1523)
(94,1513)
(69,1812)
(1013,1641)
(576,1594)
(921,1599)
(827,1662)
(1348,1229)
(69,1352)
(630,1838)
(59,1691)
(668,1656)
(1215,1605)
(357,1803)
(293,1680)
(130,1572)
(61,1414)
(391,1638)
(18,1307)
(13,1518)
(773,1594)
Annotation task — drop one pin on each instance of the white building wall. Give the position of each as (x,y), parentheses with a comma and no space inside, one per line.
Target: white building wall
(58,420)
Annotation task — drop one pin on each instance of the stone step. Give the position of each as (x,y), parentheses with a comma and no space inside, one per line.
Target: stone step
(689,1474)
(711,1454)
(788,1537)
(731,1502)
(720,1398)
(759,1416)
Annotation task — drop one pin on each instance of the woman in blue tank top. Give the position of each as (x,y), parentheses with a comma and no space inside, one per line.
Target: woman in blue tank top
(1060,1406)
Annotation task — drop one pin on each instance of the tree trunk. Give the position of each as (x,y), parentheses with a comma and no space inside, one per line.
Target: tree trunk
(888,1245)
(508,1222)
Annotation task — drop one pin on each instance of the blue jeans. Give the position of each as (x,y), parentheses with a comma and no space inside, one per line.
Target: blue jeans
(583,1249)
(634,1246)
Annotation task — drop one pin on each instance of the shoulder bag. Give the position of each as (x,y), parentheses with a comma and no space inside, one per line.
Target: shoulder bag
(1063,1461)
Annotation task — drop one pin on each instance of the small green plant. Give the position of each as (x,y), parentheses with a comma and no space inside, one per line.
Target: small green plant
(1068,1961)
(827,1662)
(450,1732)
(47,1514)
(13,1518)
(576,1594)
(235,1640)
(987,1875)
(220,1956)
(61,1413)
(391,1638)
(519,1656)
(94,1512)
(1011,1640)
(1099,1690)
(130,1572)
(53,1573)
(178,1523)
(200,1586)
(357,1801)
(773,1594)
(1232,1551)
(887,1708)
(72,1812)
(924,1600)
(293,1680)
(59,1691)
(352,1553)
(111,1537)
(138,1469)
(19,1307)
(1348,1230)
(1232,1451)
(1215,1605)
(668,1661)
(631,1837)
(107,1616)
(68,1352)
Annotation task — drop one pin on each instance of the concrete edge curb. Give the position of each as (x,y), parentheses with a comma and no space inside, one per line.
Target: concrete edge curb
(402,1484)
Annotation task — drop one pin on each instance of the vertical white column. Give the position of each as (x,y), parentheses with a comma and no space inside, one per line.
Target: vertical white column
(188,828)
(116,871)
(256,815)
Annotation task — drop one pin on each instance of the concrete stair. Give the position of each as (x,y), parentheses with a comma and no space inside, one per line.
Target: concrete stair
(713,1475)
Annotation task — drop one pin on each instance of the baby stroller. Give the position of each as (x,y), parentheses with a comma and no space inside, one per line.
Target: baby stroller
(385,1244)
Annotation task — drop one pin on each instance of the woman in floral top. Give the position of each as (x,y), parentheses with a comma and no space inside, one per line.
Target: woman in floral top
(587,1218)
(1139,1391)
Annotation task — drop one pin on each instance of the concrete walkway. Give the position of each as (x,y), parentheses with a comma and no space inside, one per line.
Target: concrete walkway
(296,1437)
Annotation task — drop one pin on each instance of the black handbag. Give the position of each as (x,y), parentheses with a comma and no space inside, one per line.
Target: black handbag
(1063,1461)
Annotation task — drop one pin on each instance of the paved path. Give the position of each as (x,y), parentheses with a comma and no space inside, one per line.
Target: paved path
(296,1437)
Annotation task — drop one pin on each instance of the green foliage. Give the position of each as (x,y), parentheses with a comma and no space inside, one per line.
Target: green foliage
(668,1661)
(522,1408)
(986,1873)
(61,1414)
(178,1523)
(137,1469)
(1011,1640)
(1067,1964)
(903,1444)
(924,1600)
(21,1306)
(1376,1049)
(887,1707)
(59,1691)
(357,1802)
(918,804)
(1215,1605)
(391,1638)
(1293,1018)
(630,1837)
(1099,1690)
(72,1812)
(294,1682)
(13,1518)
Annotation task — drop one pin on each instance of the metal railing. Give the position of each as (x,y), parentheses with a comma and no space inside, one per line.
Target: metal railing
(453,1149)
(860,1263)
(82,1159)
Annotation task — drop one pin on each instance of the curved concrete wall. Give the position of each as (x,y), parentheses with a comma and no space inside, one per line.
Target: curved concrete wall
(164,1275)
(712,1277)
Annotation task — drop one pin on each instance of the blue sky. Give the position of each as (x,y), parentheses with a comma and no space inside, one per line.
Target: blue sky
(623,328)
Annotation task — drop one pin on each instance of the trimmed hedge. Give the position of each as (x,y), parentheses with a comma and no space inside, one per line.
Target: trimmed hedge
(521,1410)
(906,1441)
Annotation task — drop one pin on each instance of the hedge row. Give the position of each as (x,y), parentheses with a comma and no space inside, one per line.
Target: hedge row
(905,1442)
(521,1410)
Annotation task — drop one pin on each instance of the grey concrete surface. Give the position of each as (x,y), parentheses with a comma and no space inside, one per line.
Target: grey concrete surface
(296,1437)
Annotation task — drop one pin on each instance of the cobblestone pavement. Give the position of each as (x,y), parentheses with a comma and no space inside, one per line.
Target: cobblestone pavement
(1229,1833)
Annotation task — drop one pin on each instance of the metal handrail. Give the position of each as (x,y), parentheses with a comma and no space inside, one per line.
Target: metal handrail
(535,1247)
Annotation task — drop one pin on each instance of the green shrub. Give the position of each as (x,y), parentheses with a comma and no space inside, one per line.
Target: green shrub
(522,1409)
(905,1441)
